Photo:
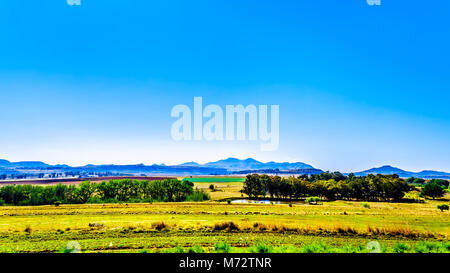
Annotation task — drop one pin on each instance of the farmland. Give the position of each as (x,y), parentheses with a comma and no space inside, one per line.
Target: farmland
(211,226)
(215,179)
(76,181)
(222,190)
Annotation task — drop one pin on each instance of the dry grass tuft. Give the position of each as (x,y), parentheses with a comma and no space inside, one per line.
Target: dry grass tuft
(228,226)
(159,226)
(96,225)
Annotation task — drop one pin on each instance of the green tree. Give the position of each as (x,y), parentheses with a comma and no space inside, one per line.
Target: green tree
(84,191)
(268,186)
(440,182)
(253,186)
(432,190)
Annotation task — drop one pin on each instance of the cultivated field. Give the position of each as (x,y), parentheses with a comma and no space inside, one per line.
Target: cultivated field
(214,226)
(76,181)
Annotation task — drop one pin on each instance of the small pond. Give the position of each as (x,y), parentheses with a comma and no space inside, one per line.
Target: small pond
(264,201)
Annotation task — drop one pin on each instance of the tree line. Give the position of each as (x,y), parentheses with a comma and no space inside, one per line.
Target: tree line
(331,186)
(113,191)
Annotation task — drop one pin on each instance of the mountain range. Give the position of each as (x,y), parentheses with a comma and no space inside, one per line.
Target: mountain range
(234,164)
(220,167)
(402,173)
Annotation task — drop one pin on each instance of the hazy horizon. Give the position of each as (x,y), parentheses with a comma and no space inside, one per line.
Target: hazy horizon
(205,162)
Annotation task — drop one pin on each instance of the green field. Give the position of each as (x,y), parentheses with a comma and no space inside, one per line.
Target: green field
(339,226)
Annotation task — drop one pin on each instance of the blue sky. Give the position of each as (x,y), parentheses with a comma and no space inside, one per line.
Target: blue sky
(358,85)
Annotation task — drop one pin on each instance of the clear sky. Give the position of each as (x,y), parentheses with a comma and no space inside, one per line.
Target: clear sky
(358,86)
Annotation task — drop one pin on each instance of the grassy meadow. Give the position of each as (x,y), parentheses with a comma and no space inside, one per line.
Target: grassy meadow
(217,226)
(214,179)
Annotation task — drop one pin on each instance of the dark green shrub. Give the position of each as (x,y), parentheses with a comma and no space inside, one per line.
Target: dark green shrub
(433,247)
(196,249)
(312,200)
(261,248)
(401,248)
(222,247)
(443,207)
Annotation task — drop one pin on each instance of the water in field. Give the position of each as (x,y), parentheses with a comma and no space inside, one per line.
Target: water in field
(262,201)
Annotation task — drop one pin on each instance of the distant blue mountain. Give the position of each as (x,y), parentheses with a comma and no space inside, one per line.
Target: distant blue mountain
(4,163)
(385,170)
(23,164)
(234,164)
(30,164)
(402,173)
(189,164)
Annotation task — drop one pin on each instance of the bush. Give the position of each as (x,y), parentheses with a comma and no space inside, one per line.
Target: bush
(94,200)
(229,226)
(401,248)
(312,200)
(222,247)
(433,247)
(443,207)
(366,205)
(179,249)
(414,196)
(315,248)
(211,187)
(261,248)
(196,249)
(159,226)
(198,196)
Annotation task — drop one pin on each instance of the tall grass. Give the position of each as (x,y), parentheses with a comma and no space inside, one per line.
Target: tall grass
(405,232)
(198,196)
(317,247)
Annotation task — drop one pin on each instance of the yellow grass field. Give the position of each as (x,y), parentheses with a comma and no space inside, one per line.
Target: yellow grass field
(164,226)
